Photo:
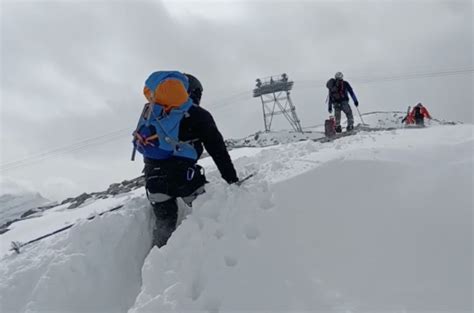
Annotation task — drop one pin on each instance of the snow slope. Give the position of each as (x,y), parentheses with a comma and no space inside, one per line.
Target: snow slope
(379,221)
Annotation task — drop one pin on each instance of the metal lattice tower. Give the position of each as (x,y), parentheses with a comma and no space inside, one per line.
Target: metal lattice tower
(274,92)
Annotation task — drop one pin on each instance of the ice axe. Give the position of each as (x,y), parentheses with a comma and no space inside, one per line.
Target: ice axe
(241,181)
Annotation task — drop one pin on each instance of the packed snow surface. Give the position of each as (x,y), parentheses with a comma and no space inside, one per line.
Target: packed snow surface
(375,222)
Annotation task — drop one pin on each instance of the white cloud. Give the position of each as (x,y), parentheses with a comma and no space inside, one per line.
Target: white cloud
(15,186)
(56,187)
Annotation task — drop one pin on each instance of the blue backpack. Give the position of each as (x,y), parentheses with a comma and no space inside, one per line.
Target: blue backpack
(157,132)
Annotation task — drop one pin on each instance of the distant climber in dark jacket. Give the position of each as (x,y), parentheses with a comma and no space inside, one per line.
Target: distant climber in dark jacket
(172,134)
(339,99)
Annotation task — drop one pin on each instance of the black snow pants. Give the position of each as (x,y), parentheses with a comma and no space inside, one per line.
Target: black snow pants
(346,108)
(165,182)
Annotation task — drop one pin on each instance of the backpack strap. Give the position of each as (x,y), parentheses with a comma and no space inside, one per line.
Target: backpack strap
(341,88)
(165,127)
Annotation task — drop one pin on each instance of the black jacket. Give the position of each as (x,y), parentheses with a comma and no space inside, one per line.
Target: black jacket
(199,126)
(338,92)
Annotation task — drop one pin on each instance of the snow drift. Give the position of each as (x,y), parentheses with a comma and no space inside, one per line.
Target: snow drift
(94,267)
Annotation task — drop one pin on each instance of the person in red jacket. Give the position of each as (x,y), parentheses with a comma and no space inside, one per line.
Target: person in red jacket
(417,115)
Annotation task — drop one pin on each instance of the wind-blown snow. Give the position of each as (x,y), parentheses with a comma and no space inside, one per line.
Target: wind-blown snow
(379,221)
(16,200)
(13,206)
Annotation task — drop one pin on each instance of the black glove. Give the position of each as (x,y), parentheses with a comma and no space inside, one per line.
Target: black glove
(330,110)
(356,103)
(234,180)
(241,181)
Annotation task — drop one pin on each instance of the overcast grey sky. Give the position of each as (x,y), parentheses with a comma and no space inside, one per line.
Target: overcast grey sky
(73,70)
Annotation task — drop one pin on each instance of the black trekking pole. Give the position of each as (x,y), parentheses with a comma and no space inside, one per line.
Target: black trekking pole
(360,115)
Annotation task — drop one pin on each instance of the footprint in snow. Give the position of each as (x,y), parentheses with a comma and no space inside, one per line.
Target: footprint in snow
(251,232)
(219,234)
(266,203)
(230,261)
(212,305)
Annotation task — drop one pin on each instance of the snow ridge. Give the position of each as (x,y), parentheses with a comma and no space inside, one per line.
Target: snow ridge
(364,223)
